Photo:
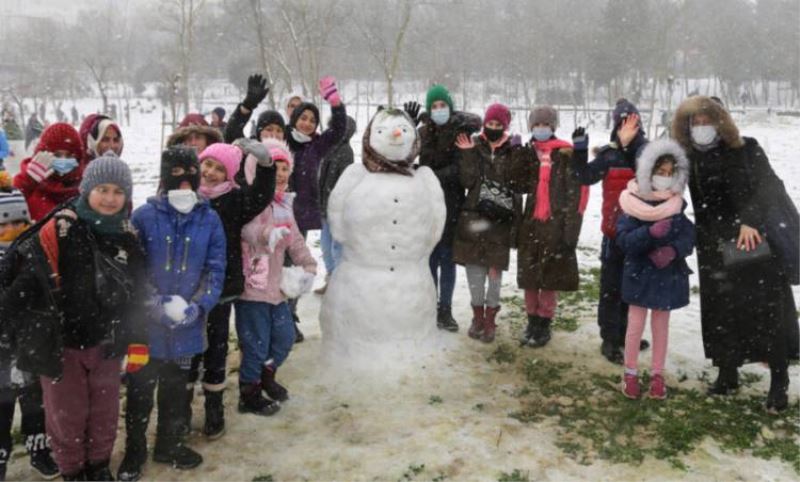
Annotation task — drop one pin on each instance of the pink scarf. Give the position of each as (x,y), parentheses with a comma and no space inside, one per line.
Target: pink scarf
(218,190)
(633,203)
(544,150)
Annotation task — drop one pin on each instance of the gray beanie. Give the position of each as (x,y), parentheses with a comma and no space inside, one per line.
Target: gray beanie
(543,114)
(13,207)
(107,169)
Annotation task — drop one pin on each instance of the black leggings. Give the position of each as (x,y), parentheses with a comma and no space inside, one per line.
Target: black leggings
(32,407)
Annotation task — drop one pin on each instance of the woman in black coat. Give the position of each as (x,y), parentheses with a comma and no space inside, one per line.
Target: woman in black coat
(748,314)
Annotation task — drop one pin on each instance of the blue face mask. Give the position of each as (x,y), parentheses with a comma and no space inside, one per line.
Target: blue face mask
(440,116)
(64,165)
(542,133)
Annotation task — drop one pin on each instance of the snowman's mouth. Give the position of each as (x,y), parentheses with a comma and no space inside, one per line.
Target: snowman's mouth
(396,143)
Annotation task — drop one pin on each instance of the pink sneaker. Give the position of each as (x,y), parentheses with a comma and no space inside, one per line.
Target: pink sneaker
(630,386)
(658,390)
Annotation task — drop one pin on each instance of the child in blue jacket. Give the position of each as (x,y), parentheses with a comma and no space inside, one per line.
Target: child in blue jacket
(656,237)
(184,243)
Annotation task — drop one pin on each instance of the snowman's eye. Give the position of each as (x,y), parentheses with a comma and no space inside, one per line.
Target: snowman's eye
(405,130)
(380,131)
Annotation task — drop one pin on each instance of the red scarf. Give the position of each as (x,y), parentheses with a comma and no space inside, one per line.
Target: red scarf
(544,150)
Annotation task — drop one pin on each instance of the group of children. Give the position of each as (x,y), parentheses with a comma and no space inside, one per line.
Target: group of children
(94,282)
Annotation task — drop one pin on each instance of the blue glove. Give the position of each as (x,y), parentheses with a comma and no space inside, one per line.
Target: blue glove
(193,313)
(580,139)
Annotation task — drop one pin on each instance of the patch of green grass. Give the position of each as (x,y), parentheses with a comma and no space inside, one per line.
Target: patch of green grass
(263,478)
(412,471)
(435,400)
(596,421)
(515,476)
(479,407)
(503,353)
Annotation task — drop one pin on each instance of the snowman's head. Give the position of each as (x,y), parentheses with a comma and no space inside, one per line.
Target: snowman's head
(392,135)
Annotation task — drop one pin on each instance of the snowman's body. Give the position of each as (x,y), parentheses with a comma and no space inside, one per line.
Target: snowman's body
(380,306)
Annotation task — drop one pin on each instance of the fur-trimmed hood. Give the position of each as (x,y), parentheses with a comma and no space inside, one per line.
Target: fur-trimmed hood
(682,123)
(647,160)
(212,134)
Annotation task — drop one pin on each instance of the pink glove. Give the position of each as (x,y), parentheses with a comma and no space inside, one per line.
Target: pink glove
(41,166)
(329,92)
(659,229)
(663,256)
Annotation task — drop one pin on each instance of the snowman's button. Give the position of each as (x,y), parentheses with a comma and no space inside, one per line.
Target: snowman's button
(393,246)
(396,200)
(394,222)
(391,268)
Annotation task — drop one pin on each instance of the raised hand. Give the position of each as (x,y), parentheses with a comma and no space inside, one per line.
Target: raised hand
(580,139)
(41,167)
(329,91)
(257,90)
(412,109)
(628,130)
(464,141)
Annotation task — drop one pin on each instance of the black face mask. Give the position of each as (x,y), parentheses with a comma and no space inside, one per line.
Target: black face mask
(184,158)
(493,135)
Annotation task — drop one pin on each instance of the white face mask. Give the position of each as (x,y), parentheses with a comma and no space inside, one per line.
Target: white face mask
(183,200)
(542,133)
(300,137)
(440,116)
(662,183)
(704,135)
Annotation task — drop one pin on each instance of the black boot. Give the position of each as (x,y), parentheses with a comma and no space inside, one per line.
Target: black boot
(541,333)
(613,351)
(530,330)
(251,400)
(99,471)
(777,398)
(727,381)
(298,335)
(170,449)
(445,321)
(214,427)
(131,468)
(273,389)
(41,458)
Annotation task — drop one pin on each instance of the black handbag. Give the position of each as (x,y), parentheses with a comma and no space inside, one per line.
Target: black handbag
(495,200)
(113,286)
(733,257)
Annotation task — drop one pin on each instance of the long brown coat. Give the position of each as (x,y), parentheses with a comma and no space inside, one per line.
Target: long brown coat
(546,250)
(477,240)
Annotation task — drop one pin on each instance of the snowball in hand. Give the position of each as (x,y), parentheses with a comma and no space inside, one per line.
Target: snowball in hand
(175,308)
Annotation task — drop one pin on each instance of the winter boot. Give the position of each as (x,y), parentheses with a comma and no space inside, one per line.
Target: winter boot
(777,398)
(99,471)
(613,351)
(727,381)
(533,322)
(214,427)
(445,321)
(251,401)
(170,449)
(489,325)
(131,468)
(273,389)
(298,335)
(478,319)
(630,386)
(41,458)
(541,333)
(658,389)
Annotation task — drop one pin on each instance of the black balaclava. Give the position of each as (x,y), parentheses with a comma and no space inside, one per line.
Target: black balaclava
(179,156)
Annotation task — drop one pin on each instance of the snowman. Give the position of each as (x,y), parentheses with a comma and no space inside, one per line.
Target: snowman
(380,307)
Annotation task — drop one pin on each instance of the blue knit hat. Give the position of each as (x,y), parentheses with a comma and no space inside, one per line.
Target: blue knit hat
(622,110)
(107,169)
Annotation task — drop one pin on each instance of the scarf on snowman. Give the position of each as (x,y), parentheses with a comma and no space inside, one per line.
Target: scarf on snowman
(375,162)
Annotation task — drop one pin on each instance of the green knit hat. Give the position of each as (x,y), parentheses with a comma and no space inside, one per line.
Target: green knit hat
(438,92)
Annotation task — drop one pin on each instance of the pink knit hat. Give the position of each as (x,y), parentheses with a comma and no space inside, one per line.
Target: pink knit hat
(230,157)
(500,113)
(278,151)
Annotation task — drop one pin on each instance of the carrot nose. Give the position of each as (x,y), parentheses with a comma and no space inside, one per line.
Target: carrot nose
(397,133)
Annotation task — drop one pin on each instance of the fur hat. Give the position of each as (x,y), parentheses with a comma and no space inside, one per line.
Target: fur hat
(228,155)
(647,159)
(721,119)
(543,114)
(212,134)
(438,92)
(498,112)
(107,169)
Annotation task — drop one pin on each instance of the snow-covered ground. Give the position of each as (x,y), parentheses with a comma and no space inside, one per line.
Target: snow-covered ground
(340,426)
